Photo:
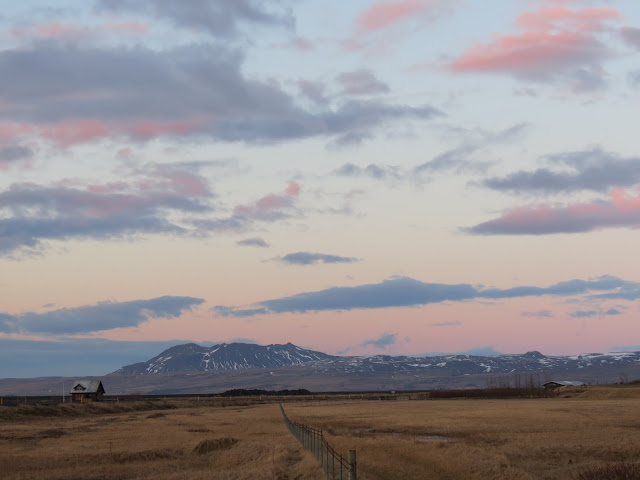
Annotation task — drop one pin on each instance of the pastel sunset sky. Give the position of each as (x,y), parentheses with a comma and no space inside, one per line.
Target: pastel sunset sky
(360,177)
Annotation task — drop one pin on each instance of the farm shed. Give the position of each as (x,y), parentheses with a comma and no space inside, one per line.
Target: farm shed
(563,383)
(87,390)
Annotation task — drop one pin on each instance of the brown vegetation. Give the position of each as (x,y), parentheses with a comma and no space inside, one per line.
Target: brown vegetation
(126,441)
(582,434)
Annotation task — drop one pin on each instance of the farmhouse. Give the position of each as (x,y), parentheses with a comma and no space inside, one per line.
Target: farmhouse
(87,391)
(563,383)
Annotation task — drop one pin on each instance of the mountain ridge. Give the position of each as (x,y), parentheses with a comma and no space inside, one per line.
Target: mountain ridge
(191,357)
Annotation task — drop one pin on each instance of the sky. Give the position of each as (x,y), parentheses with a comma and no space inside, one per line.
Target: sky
(358,178)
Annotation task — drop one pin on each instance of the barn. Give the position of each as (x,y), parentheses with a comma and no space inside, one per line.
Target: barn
(87,391)
(563,383)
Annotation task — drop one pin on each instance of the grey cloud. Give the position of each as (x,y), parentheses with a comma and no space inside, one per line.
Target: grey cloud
(631,35)
(634,78)
(594,313)
(155,199)
(37,84)
(13,153)
(584,313)
(361,82)
(222,311)
(358,116)
(594,170)
(447,160)
(547,220)
(384,341)
(407,292)
(568,288)
(253,242)
(233,223)
(458,158)
(625,348)
(308,258)
(218,17)
(314,91)
(395,292)
(628,291)
(348,170)
(192,90)
(372,171)
(454,160)
(99,317)
(349,139)
(446,324)
(35,213)
(589,79)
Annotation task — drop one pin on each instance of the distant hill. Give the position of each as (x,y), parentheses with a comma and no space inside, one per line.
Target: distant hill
(195,369)
(242,356)
(233,356)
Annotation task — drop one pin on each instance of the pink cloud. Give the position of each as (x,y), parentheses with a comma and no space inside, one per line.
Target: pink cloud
(65,134)
(585,20)
(57,30)
(527,53)
(11,131)
(77,131)
(271,201)
(293,189)
(623,202)
(47,30)
(136,28)
(384,14)
(151,129)
(187,183)
(124,152)
(60,30)
(555,41)
(302,44)
(272,206)
(622,210)
(72,132)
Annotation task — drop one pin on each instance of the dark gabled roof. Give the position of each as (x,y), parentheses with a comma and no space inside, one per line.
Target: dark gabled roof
(87,386)
(566,383)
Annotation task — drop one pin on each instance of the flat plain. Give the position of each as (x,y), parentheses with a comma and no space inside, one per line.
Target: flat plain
(544,438)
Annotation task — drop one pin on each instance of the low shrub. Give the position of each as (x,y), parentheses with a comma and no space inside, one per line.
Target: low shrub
(208,446)
(612,471)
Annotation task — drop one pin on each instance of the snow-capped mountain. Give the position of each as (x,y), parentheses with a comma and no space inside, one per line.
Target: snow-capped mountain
(233,356)
(241,356)
(472,364)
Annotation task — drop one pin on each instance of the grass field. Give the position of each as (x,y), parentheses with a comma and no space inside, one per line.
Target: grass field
(553,438)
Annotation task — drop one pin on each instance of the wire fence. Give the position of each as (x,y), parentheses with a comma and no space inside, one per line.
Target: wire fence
(334,464)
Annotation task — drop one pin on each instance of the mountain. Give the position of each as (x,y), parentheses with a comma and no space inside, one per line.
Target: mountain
(233,356)
(193,369)
(456,365)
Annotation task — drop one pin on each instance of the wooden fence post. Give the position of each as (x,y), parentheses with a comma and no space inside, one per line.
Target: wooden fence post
(353,474)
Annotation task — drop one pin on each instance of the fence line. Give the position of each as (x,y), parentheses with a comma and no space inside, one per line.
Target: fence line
(334,464)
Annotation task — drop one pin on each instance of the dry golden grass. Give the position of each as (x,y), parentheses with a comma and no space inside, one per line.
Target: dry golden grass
(554,438)
(483,439)
(190,442)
